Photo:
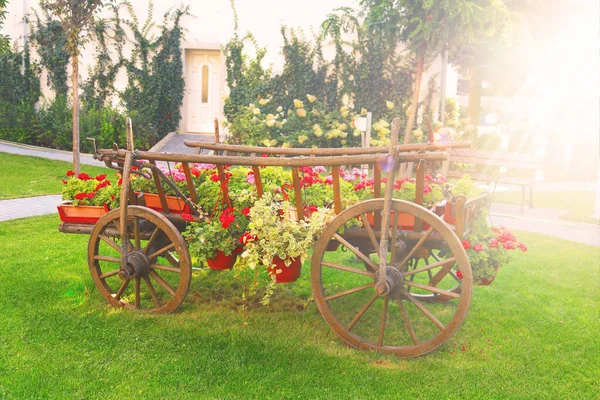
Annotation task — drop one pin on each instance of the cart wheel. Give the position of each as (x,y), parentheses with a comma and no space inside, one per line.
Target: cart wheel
(405,320)
(158,271)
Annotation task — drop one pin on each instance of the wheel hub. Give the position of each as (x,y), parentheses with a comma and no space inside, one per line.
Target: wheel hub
(137,266)
(393,280)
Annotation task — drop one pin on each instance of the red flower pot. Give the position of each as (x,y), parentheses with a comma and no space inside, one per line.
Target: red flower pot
(222,261)
(283,273)
(450,213)
(175,204)
(488,279)
(404,221)
(81,214)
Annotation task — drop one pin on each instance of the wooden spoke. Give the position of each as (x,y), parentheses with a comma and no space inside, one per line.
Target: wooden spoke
(432,289)
(356,251)
(415,248)
(349,291)
(151,240)
(349,269)
(413,335)
(383,319)
(136,232)
(121,289)
(110,242)
(152,291)
(108,259)
(162,282)
(137,292)
(374,242)
(166,268)
(449,261)
(425,311)
(441,274)
(168,247)
(171,258)
(361,312)
(109,274)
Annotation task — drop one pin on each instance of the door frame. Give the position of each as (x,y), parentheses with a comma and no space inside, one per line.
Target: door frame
(187,50)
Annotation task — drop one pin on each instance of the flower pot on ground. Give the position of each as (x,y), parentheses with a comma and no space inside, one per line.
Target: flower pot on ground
(285,273)
(174,203)
(222,261)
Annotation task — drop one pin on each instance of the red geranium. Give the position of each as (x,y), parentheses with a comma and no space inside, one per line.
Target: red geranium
(80,196)
(466,244)
(100,177)
(246,211)
(226,219)
(247,237)
(70,172)
(187,217)
(477,247)
(83,176)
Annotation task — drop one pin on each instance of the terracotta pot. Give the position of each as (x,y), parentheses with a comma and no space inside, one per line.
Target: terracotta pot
(450,213)
(222,261)
(332,245)
(81,214)
(489,279)
(175,204)
(283,273)
(404,221)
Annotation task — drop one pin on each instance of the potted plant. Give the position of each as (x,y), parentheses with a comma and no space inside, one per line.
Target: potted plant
(86,198)
(404,189)
(216,241)
(463,186)
(279,242)
(488,249)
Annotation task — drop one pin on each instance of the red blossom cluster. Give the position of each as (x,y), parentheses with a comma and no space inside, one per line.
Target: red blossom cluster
(504,237)
(247,237)
(227,218)
(309,177)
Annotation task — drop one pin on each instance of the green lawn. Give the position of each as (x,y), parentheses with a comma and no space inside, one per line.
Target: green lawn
(532,334)
(24,176)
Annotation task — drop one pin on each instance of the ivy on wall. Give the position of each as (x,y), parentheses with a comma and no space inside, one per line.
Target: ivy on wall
(48,39)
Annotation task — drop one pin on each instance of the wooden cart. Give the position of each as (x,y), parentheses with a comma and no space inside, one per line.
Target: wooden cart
(399,294)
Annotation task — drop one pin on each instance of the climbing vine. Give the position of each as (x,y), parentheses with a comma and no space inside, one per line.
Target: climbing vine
(48,39)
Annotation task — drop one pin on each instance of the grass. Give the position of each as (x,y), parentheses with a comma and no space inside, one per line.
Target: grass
(532,334)
(25,176)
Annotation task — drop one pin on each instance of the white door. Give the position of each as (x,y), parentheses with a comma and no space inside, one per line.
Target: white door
(203,92)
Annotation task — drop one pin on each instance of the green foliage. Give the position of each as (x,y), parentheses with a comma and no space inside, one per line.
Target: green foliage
(49,40)
(4,40)
(109,36)
(84,190)
(20,92)
(155,71)
(222,232)
(489,141)
(464,186)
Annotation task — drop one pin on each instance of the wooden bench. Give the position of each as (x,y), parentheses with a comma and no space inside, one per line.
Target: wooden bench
(495,167)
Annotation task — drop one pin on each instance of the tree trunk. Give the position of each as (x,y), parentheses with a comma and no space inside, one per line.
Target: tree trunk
(474,95)
(415,100)
(75,82)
